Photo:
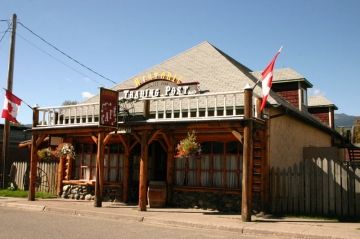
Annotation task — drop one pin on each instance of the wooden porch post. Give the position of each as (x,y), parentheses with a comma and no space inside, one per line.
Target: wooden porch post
(34,158)
(99,181)
(33,168)
(143,172)
(247,158)
(60,176)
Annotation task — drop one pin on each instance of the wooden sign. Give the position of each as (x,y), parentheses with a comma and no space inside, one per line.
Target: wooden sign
(108,107)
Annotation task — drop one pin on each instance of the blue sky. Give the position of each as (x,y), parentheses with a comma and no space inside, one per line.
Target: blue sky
(121,38)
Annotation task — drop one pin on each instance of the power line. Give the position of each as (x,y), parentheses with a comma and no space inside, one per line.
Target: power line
(56,59)
(68,56)
(7,30)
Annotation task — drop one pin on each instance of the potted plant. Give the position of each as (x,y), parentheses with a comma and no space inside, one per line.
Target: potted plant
(45,154)
(65,150)
(188,147)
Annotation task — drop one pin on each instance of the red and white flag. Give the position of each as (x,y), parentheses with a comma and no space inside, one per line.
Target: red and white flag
(11,107)
(267,76)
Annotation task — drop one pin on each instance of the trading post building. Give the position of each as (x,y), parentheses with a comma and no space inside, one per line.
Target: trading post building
(126,140)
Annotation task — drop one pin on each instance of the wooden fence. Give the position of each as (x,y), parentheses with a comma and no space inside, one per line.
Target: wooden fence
(45,180)
(320,185)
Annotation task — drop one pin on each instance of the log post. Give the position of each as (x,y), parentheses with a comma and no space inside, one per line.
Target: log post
(34,157)
(143,172)
(60,176)
(247,158)
(99,181)
(146,108)
(33,168)
(257,107)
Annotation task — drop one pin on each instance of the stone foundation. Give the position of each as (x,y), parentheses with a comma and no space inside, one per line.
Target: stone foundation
(207,200)
(78,192)
(87,192)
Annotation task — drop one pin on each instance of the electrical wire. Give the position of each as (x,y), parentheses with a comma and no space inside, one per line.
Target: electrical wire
(7,30)
(58,60)
(65,54)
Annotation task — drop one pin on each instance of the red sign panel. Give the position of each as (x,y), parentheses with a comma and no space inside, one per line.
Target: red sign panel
(108,107)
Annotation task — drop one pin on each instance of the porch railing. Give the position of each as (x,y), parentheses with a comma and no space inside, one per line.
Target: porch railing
(177,108)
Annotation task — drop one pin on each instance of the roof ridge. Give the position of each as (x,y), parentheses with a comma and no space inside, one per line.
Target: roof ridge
(162,62)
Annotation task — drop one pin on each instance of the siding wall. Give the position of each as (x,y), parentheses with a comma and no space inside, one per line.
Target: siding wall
(288,137)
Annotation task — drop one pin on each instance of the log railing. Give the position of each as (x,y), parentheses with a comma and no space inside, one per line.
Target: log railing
(177,108)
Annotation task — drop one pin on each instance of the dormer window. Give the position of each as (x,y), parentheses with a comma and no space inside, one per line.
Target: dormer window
(304,98)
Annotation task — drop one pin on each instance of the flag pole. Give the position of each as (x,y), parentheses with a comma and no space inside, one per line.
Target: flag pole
(6,130)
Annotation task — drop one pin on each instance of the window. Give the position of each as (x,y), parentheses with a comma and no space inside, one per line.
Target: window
(304,100)
(85,162)
(219,166)
(113,163)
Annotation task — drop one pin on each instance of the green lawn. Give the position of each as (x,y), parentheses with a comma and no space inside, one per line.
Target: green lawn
(24,194)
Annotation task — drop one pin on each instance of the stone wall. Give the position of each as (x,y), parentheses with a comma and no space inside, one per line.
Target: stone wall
(78,192)
(87,192)
(207,200)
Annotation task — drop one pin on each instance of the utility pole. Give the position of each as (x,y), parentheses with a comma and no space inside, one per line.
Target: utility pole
(6,131)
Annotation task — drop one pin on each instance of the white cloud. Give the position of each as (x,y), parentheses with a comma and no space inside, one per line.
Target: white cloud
(315,92)
(86,95)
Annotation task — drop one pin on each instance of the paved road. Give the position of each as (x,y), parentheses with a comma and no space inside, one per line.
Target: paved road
(19,224)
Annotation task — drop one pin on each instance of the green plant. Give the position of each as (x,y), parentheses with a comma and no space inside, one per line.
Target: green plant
(24,194)
(65,150)
(188,146)
(45,154)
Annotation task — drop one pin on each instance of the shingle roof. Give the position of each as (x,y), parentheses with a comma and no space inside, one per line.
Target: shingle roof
(218,72)
(319,100)
(202,63)
(285,75)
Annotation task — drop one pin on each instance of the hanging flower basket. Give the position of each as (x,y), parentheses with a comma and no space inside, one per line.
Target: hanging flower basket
(45,154)
(65,150)
(188,147)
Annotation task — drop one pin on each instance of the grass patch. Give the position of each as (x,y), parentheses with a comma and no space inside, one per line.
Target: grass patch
(24,194)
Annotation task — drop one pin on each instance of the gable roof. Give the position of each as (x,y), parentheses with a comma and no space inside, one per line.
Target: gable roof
(283,75)
(215,71)
(211,68)
(320,101)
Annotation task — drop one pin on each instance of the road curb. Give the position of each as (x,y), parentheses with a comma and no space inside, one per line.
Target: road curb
(106,215)
(243,229)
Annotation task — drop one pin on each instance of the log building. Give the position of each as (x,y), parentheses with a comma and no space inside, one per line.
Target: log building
(131,155)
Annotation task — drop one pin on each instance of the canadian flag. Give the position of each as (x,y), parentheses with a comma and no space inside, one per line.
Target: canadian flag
(267,76)
(11,107)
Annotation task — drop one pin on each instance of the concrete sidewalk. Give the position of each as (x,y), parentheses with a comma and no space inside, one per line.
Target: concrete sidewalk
(197,218)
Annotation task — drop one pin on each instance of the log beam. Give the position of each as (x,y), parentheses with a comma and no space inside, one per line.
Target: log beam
(143,171)
(33,168)
(238,136)
(247,159)
(99,182)
(60,176)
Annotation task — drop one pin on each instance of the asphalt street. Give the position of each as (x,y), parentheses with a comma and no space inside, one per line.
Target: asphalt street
(19,224)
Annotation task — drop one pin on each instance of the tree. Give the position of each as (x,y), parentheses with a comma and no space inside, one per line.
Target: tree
(356,132)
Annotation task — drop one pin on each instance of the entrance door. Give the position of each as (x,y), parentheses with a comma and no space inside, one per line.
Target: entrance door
(134,167)
(157,162)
